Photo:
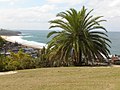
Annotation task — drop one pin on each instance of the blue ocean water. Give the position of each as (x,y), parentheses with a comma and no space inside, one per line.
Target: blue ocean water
(115,45)
(41,36)
(36,35)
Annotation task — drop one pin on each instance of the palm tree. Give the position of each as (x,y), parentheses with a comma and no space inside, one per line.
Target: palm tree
(79,38)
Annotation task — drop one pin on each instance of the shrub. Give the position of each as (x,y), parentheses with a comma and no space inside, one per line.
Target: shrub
(17,61)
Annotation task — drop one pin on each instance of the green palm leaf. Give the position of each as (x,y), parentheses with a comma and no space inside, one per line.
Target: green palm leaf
(79,35)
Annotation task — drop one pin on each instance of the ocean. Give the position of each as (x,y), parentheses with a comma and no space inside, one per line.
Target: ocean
(40,36)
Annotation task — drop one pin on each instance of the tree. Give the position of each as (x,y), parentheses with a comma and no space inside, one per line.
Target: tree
(79,38)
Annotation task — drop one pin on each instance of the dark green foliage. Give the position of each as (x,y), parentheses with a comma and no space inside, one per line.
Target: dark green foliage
(2,41)
(17,61)
(42,60)
(79,38)
(2,65)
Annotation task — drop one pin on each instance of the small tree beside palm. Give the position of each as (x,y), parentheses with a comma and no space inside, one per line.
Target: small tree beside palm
(80,37)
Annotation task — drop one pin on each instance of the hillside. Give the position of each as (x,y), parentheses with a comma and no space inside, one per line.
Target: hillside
(5,32)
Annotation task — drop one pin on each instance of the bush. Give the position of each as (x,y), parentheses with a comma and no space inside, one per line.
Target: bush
(17,61)
(11,64)
(2,66)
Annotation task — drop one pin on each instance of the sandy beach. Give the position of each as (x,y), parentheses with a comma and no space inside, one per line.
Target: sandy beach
(19,40)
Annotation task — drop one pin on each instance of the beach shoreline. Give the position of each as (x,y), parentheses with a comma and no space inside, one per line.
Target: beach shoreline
(23,42)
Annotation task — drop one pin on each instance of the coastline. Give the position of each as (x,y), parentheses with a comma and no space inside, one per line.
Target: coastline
(19,40)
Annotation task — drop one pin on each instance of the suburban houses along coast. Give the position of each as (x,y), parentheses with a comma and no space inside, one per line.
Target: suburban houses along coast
(14,46)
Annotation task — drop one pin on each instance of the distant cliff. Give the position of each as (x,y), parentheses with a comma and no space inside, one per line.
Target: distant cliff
(5,32)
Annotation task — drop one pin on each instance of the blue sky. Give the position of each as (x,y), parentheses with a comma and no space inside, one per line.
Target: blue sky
(35,14)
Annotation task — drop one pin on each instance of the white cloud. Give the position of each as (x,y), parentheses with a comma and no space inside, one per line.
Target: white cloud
(38,16)
(67,2)
(115,3)
(11,2)
(5,0)
(23,17)
(44,8)
(55,1)
(108,8)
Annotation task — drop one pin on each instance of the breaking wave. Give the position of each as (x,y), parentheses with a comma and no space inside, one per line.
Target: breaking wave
(19,40)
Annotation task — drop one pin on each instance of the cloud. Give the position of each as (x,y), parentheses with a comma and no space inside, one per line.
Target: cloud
(25,17)
(5,0)
(37,16)
(114,3)
(11,2)
(44,8)
(67,2)
(108,8)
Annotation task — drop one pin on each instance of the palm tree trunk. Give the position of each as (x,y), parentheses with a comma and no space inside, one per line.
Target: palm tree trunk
(79,53)
(80,58)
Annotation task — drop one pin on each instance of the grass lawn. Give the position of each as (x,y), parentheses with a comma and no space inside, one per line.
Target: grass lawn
(64,78)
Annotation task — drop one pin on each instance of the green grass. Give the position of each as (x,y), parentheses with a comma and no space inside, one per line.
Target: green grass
(64,78)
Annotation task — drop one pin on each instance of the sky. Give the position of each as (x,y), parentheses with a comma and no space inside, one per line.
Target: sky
(35,14)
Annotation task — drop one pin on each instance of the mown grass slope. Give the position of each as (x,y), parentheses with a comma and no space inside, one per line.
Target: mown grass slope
(63,78)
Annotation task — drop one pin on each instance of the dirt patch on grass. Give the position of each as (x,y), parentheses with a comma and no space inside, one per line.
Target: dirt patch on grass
(7,73)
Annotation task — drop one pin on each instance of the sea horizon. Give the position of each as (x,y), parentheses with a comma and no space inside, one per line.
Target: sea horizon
(39,37)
